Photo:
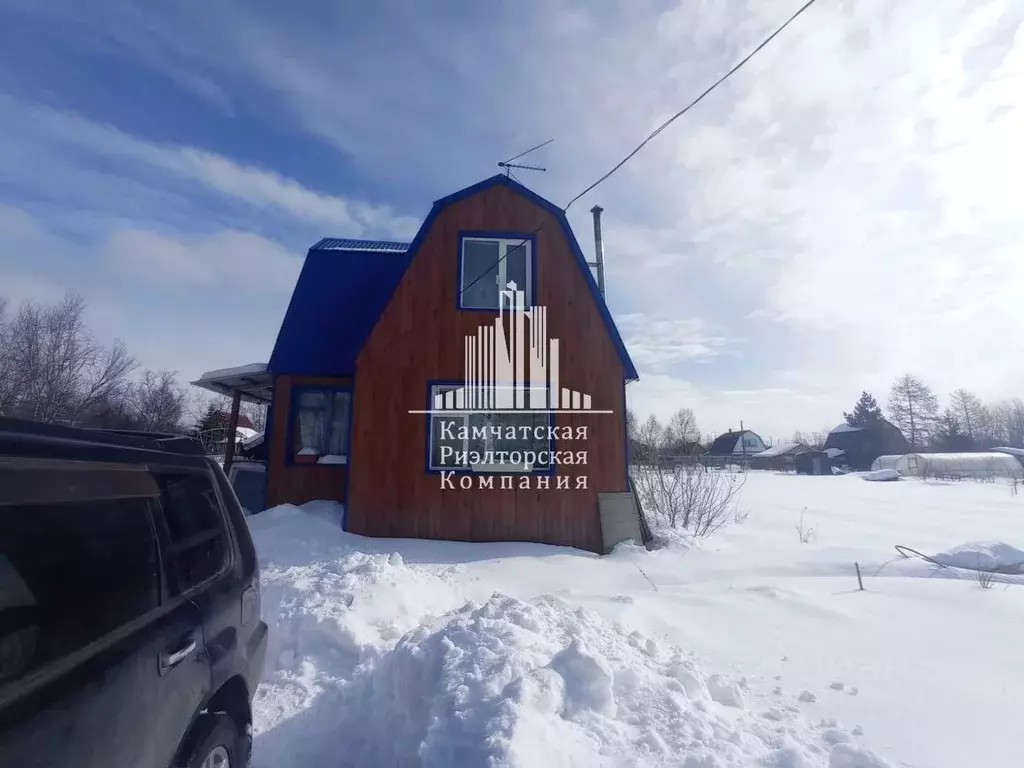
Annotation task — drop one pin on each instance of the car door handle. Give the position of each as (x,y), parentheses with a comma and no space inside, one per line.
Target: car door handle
(169,659)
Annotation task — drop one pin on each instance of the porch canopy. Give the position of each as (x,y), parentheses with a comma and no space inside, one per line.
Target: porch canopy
(252,382)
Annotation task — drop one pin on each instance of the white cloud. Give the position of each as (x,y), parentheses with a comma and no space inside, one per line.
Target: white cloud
(259,187)
(244,261)
(844,209)
(187,302)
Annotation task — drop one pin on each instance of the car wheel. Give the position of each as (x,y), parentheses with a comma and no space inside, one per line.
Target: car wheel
(216,744)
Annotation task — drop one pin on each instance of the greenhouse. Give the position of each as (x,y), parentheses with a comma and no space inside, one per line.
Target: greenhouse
(886,462)
(956,465)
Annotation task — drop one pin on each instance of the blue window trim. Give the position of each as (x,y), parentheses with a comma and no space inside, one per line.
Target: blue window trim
(529,237)
(293,413)
(431,383)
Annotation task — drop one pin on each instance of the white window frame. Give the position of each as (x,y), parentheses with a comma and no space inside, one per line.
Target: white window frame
(504,244)
(436,389)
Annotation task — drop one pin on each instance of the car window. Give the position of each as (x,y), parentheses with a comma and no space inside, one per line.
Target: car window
(197,546)
(70,573)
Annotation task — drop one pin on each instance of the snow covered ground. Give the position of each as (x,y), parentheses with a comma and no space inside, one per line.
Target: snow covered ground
(749,649)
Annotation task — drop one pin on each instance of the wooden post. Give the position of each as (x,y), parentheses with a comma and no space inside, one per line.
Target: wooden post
(229,451)
(860,581)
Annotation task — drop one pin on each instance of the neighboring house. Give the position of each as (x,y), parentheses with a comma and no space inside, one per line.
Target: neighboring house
(778,457)
(376,329)
(737,444)
(862,445)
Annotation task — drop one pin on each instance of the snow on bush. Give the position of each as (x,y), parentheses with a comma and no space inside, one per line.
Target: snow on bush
(513,683)
(690,497)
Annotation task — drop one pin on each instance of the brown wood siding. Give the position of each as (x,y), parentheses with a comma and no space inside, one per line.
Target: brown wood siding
(420,338)
(291,484)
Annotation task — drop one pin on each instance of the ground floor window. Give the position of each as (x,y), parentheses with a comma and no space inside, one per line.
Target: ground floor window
(320,425)
(506,441)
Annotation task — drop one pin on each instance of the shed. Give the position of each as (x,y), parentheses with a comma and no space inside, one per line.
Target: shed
(813,462)
(469,385)
(778,457)
(862,445)
(959,465)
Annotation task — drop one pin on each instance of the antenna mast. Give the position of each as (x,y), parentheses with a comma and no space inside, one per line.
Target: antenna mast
(508,165)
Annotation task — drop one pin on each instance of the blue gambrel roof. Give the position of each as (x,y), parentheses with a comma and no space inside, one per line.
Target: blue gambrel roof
(345,285)
(339,295)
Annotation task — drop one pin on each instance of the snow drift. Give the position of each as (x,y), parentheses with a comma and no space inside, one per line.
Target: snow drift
(514,683)
(374,660)
(995,556)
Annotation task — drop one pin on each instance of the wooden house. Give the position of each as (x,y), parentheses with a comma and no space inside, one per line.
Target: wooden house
(395,364)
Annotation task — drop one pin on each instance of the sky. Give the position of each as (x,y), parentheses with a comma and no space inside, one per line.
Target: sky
(845,209)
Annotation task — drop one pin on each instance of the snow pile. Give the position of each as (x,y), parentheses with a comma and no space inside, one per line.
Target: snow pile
(984,556)
(513,683)
(881,475)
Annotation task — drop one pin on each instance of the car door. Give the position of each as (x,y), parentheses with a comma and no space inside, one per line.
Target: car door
(98,667)
(201,560)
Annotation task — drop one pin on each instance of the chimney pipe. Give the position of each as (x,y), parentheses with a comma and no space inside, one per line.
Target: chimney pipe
(598,248)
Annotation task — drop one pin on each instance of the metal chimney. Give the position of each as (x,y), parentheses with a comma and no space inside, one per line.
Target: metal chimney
(598,248)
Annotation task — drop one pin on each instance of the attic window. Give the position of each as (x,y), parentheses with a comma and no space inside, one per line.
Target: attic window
(488,264)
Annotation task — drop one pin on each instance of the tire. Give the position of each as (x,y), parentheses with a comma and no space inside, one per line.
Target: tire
(216,740)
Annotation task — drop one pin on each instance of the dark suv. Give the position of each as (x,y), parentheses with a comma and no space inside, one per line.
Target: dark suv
(130,630)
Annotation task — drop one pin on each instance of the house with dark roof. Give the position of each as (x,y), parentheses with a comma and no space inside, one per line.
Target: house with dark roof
(739,444)
(469,385)
(860,446)
(780,457)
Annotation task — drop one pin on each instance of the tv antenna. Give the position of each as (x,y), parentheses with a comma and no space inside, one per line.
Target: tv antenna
(508,165)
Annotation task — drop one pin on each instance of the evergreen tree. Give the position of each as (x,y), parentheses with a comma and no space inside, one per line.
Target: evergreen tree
(865,413)
(949,434)
(212,419)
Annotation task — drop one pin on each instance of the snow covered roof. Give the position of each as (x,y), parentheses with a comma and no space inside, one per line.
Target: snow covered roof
(834,453)
(780,450)
(252,441)
(253,380)
(845,428)
(244,433)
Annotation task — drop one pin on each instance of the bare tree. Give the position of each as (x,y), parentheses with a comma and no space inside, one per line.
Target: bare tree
(256,413)
(815,440)
(53,368)
(913,407)
(1007,425)
(7,388)
(682,428)
(971,413)
(159,401)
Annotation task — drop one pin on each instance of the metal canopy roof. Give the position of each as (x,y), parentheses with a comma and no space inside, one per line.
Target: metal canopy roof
(254,381)
(350,244)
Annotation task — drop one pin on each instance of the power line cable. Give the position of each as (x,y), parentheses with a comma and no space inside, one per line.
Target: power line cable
(644,143)
(693,103)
